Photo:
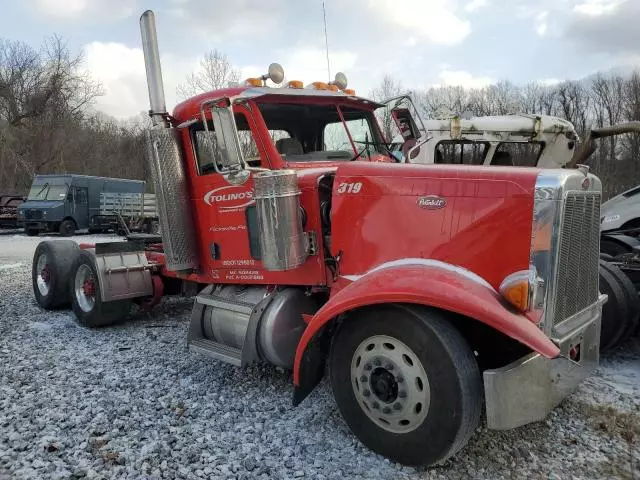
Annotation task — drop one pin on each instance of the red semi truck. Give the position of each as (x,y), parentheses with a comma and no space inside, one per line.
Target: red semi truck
(429,292)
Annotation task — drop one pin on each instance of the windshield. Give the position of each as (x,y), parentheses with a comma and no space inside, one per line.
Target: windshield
(317,132)
(46,191)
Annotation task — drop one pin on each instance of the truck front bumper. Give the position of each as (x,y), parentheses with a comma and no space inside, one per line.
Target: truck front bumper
(528,389)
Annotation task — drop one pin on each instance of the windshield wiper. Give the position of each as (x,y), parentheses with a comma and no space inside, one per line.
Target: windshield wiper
(45,186)
(365,148)
(377,144)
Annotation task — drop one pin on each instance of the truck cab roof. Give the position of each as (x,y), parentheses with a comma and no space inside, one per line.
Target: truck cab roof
(52,176)
(190,108)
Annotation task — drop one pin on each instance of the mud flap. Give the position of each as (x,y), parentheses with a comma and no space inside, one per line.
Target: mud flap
(311,368)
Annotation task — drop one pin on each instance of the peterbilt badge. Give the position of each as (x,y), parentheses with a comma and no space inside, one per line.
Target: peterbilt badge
(432,202)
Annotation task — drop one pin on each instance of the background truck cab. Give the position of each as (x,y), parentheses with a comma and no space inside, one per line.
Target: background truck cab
(66,203)
(520,140)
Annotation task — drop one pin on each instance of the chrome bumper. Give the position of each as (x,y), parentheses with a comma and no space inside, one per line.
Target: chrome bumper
(528,389)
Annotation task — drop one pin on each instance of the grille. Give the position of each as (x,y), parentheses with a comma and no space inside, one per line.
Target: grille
(33,214)
(577,281)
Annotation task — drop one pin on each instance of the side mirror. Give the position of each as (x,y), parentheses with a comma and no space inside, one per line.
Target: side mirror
(233,167)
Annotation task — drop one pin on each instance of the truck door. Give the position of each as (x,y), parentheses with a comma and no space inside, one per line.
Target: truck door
(81,207)
(223,211)
(402,123)
(76,206)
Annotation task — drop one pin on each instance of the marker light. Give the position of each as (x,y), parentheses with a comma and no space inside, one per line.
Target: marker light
(333,88)
(294,84)
(319,86)
(524,290)
(253,82)
(349,91)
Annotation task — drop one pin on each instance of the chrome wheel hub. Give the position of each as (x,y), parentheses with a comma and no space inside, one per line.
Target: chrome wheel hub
(44,275)
(390,384)
(85,288)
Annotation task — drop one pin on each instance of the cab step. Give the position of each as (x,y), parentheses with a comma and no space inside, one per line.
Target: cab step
(216,350)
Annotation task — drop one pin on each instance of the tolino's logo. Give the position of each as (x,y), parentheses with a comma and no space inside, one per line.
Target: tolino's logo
(230,197)
(432,202)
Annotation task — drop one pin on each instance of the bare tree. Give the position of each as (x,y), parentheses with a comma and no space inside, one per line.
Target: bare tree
(42,94)
(388,88)
(216,71)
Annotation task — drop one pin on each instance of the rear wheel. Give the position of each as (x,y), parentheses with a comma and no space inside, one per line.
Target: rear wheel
(67,228)
(86,300)
(613,248)
(614,311)
(52,263)
(406,383)
(633,303)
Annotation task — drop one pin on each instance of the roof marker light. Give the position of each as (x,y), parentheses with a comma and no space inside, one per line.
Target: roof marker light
(275,74)
(294,84)
(318,86)
(253,82)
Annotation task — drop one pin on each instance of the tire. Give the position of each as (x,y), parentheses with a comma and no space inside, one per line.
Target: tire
(633,302)
(448,413)
(88,307)
(51,286)
(631,224)
(32,232)
(612,248)
(67,228)
(614,311)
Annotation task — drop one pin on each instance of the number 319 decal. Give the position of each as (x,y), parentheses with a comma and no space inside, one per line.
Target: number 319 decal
(350,187)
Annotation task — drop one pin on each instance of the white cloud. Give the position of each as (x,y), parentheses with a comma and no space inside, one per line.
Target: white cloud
(242,20)
(84,10)
(61,8)
(474,5)
(121,71)
(463,79)
(433,19)
(596,8)
(309,64)
(411,42)
(541,23)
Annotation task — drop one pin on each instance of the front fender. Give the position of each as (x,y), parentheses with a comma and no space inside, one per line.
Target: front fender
(437,285)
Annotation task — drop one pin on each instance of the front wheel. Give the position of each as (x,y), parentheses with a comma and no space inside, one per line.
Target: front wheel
(86,299)
(406,383)
(67,228)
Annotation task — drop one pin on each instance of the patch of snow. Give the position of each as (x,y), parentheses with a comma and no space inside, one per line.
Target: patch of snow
(10,266)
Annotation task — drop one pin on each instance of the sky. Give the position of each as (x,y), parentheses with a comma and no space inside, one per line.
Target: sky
(419,42)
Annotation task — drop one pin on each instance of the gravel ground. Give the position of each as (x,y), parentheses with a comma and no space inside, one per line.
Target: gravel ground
(131,402)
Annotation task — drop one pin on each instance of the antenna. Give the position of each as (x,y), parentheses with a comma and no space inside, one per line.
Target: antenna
(326,41)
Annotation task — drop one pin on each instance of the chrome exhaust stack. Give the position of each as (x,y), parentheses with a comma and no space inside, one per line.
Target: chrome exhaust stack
(158,111)
(165,156)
